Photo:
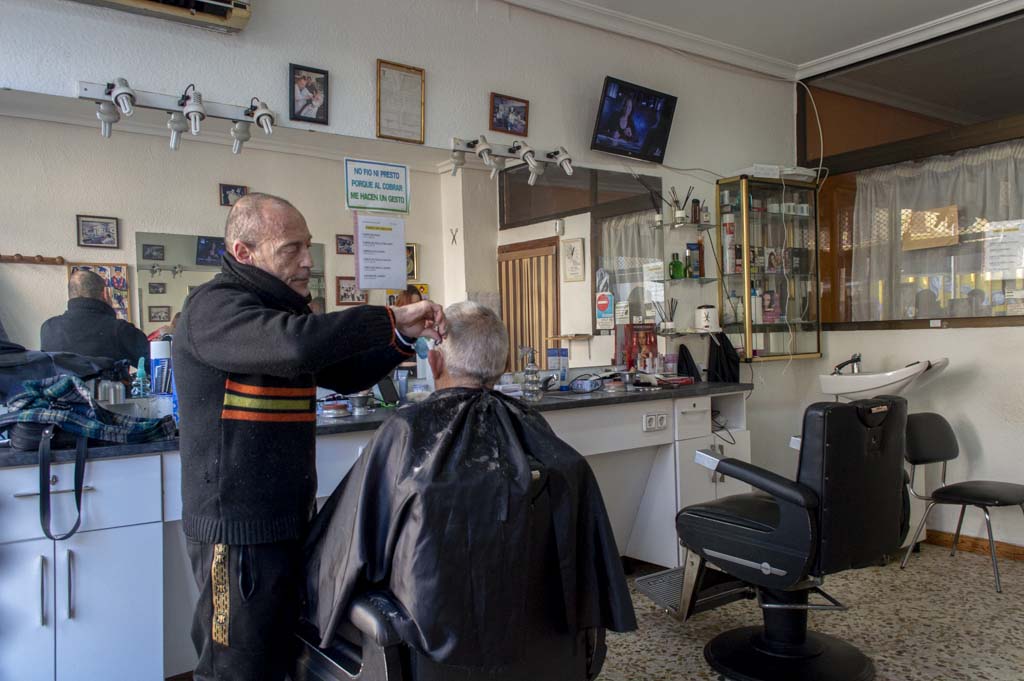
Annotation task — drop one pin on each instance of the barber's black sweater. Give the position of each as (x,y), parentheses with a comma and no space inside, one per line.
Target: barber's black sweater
(248,355)
(91,327)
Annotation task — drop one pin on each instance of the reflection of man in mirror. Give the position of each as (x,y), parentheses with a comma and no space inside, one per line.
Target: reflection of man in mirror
(90,326)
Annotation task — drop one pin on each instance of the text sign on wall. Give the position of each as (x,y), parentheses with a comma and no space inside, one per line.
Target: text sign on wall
(371,185)
(380,252)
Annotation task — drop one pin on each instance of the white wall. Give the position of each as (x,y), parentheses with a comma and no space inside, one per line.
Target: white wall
(980,393)
(51,172)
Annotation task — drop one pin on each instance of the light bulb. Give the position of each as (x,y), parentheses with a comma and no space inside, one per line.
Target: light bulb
(483,150)
(107,116)
(458,160)
(497,165)
(177,125)
(240,134)
(123,96)
(264,117)
(194,111)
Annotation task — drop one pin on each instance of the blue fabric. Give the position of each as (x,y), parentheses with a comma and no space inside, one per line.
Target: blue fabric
(66,401)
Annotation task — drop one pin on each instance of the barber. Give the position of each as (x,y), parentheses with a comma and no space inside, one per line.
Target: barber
(90,326)
(248,356)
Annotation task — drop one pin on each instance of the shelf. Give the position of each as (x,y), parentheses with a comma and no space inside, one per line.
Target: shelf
(686,332)
(701,280)
(774,326)
(757,275)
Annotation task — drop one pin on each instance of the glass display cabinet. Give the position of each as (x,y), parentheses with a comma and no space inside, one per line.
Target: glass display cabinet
(768,246)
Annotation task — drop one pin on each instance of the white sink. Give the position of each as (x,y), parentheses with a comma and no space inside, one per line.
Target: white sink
(857,386)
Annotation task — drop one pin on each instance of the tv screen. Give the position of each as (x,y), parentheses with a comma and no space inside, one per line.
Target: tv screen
(633,121)
(209,250)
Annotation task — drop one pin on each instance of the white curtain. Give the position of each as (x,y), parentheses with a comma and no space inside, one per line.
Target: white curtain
(628,242)
(946,203)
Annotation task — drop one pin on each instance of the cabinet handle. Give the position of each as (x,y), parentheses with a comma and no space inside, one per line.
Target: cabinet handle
(25,495)
(42,591)
(71,588)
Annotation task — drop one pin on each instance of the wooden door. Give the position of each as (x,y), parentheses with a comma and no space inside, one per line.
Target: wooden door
(528,282)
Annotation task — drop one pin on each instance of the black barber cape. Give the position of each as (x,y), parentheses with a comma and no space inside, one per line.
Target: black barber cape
(436,510)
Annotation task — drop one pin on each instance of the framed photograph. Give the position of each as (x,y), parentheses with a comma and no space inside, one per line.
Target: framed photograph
(230,193)
(116,277)
(97,232)
(401,101)
(510,114)
(412,262)
(347,293)
(152,251)
(345,244)
(160,313)
(157,288)
(308,96)
(573,261)
(392,294)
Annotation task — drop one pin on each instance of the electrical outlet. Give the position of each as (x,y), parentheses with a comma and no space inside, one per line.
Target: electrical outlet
(654,422)
(662,421)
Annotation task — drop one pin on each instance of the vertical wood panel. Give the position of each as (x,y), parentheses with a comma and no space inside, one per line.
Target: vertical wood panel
(529,294)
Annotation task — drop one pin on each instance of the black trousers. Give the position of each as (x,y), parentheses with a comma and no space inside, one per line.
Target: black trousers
(249,600)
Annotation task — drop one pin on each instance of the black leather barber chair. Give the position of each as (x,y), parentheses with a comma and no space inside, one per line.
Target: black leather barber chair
(842,512)
(369,648)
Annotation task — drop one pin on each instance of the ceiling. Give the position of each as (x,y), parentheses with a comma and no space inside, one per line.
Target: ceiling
(965,79)
(786,38)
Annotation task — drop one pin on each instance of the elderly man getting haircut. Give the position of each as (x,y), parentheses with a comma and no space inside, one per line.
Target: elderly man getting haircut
(436,511)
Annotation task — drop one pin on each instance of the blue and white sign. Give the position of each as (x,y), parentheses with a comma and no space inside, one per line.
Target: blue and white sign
(371,185)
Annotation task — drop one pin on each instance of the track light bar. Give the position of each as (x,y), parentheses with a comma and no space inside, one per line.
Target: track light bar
(494,155)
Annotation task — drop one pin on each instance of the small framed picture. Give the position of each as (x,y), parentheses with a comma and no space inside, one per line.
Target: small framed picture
(412,262)
(573,261)
(230,193)
(347,293)
(159,313)
(152,251)
(345,244)
(157,288)
(510,114)
(401,102)
(307,98)
(97,232)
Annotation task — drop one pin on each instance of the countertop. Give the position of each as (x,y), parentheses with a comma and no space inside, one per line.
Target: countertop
(554,401)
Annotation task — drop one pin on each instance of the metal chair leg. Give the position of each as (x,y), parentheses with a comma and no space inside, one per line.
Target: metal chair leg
(959,524)
(992,550)
(906,557)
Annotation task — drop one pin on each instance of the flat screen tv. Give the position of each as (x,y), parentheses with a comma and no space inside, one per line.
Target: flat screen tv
(209,250)
(633,121)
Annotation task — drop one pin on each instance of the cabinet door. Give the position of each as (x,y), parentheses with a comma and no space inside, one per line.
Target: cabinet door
(726,486)
(695,482)
(110,604)
(26,611)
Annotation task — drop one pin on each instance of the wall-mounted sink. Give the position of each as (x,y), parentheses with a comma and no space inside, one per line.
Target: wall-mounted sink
(858,386)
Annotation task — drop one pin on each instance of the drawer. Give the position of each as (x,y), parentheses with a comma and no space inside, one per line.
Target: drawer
(118,492)
(598,430)
(693,417)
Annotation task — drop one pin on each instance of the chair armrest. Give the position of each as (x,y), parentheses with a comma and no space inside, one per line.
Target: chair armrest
(766,481)
(374,614)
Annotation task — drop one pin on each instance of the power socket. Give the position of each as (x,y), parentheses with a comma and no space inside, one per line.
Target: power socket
(655,422)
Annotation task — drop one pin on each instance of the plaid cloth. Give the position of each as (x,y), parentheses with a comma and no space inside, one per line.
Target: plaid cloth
(67,402)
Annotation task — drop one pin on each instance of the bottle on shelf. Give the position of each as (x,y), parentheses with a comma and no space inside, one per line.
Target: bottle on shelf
(676,270)
(531,378)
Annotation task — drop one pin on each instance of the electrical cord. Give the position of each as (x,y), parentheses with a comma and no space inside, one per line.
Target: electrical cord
(598,383)
(731,440)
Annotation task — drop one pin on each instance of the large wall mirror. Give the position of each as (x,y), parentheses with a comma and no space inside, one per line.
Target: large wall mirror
(169,266)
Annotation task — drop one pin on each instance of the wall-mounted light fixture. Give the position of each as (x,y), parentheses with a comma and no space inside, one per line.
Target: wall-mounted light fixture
(494,156)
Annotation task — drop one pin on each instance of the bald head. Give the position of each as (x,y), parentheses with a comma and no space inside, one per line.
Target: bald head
(256,217)
(84,284)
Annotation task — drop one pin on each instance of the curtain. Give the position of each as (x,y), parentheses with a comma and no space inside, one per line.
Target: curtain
(921,231)
(628,242)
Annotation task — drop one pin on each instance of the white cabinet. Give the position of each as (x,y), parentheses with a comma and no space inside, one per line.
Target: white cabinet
(725,486)
(90,607)
(26,611)
(109,600)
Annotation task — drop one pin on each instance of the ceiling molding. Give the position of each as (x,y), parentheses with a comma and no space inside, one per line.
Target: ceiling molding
(958,21)
(881,95)
(619,23)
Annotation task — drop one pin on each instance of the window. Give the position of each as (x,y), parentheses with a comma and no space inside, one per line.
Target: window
(938,238)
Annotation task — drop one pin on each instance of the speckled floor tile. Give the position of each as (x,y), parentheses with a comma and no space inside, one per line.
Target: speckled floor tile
(940,619)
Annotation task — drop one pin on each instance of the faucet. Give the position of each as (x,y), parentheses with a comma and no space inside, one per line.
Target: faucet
(854,360)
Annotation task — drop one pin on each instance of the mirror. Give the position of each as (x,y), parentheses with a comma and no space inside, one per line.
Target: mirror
(169,266)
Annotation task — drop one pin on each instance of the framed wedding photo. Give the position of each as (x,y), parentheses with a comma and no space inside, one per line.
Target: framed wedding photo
(308,94)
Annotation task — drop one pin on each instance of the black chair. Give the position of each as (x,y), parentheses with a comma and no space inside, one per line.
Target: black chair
(843,511)
(930,439)
(368,647)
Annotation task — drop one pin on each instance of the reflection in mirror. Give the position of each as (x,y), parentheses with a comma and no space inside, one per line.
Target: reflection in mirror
(169,266)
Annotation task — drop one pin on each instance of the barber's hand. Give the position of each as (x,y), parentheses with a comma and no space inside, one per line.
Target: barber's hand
(424,318)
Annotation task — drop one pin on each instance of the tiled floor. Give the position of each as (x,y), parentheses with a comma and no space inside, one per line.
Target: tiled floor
(938,619)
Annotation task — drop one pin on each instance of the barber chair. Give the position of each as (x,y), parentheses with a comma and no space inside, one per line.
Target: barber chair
(369,648)
(778,543)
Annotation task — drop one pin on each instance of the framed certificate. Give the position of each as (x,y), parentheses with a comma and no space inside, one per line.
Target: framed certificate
(572,260)
(401,98)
